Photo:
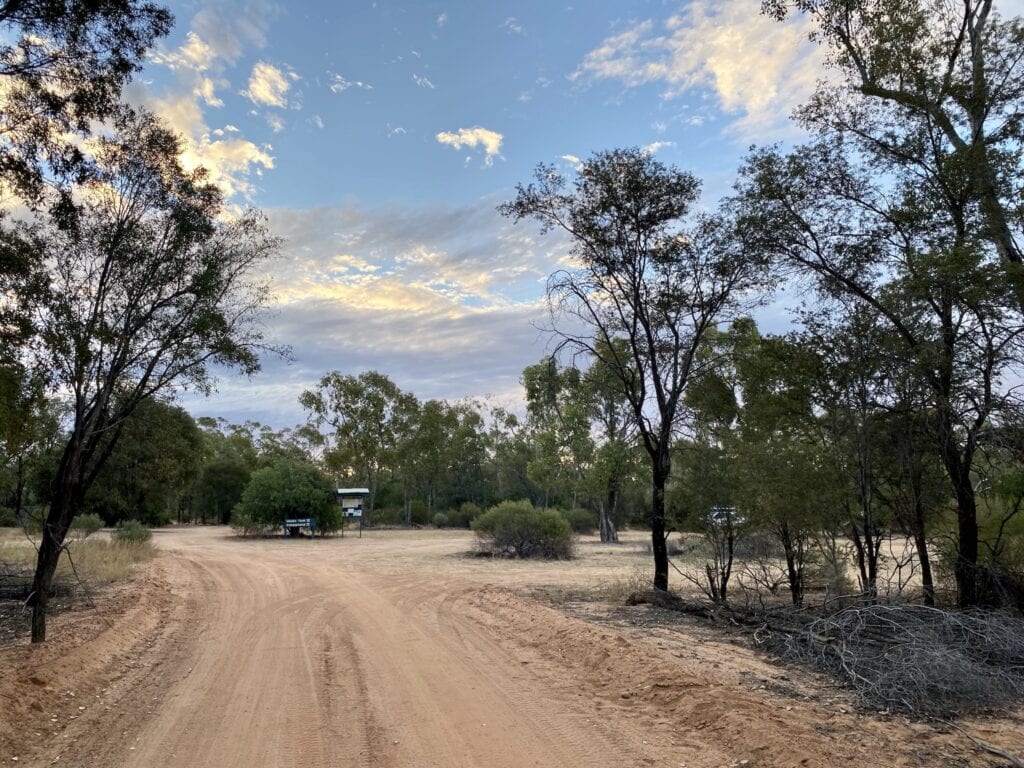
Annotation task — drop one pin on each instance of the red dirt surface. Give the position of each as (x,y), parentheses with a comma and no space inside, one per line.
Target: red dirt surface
(393,650)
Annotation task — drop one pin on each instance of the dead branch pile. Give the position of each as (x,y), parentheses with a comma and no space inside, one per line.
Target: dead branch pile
(923,661)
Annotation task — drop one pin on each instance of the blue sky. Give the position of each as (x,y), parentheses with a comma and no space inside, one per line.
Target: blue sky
(380,136)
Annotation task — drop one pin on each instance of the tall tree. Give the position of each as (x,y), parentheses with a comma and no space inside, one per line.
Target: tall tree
(910,248)
(648,275)
(935,88)
(367,413)
(152,288)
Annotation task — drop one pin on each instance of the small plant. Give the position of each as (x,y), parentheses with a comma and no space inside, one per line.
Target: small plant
(7,518)
(84,526)
(517,529)
(131,532)
(440,520)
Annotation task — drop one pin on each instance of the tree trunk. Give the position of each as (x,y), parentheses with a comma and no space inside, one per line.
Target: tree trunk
(966,567)
(794,566)
(55,527)
(921,544)
(660,475)
(606,524)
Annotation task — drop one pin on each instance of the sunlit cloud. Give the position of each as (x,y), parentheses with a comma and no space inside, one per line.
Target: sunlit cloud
(757,68)
(268,85)
(654,146)
(472,138)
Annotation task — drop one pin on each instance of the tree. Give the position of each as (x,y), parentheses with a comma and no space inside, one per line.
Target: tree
(643,277)
(152,288)
(290,489)
(934,88)
(63,65)
(157,456)
(366,412)
(910,248)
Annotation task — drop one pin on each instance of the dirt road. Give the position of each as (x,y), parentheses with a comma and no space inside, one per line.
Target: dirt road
(397,652)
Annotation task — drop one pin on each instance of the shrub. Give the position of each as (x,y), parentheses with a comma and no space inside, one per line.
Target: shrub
(244,525)
(131,532)
(517,529)
(440,520)
(7,518)
(580,520)
(417,512)
(290,489)
(84,526)
(464,515)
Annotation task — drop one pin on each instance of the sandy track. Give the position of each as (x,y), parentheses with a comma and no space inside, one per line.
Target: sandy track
(392,651)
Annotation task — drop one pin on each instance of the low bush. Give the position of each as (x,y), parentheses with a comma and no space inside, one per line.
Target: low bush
(580,520)
(517,529)
(84,526)
(440,520)
(7,517)
(131,531)
(464,515)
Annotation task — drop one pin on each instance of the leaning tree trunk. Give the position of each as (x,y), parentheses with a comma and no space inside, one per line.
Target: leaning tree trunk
(58,520)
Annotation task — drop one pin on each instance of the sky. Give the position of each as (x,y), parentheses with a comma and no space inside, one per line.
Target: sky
(380,137)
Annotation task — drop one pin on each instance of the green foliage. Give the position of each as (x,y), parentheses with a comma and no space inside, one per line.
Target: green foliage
(131,532)
(156,457)
(580,520)
(464,515)
(84,526)
(440,520)
(289,489)
(244,524)
(219,488)
(8,518)
(518,529)
(418,512)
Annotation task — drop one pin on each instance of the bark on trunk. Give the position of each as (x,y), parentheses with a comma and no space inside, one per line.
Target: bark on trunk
(660,478)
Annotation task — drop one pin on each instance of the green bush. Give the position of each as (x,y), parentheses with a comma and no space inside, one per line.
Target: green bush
(289,489)
(440,520)
(580,520)
(464,515)
(84,526)
(418,512)
(7,518)
(517,529)
(131,531)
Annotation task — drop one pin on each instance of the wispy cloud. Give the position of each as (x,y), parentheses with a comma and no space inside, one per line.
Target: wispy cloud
(442,20)
(340,83)
(422,81)
(490,141)
(654,146)
(512,25)
(757,69)
(268,85)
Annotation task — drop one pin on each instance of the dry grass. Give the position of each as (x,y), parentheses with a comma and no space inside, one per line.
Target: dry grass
(96,560)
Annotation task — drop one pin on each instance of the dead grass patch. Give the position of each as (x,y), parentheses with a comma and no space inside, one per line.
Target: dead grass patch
(96,561)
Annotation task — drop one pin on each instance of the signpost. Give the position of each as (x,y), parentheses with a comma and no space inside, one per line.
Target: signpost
(351,500)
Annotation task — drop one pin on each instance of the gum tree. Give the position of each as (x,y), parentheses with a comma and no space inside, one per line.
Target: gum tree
(151,289)
(648,280)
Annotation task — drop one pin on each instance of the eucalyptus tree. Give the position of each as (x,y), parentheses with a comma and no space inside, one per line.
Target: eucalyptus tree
(644,270)
(368,415)
(936,89)
(911,248)
(152,288)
